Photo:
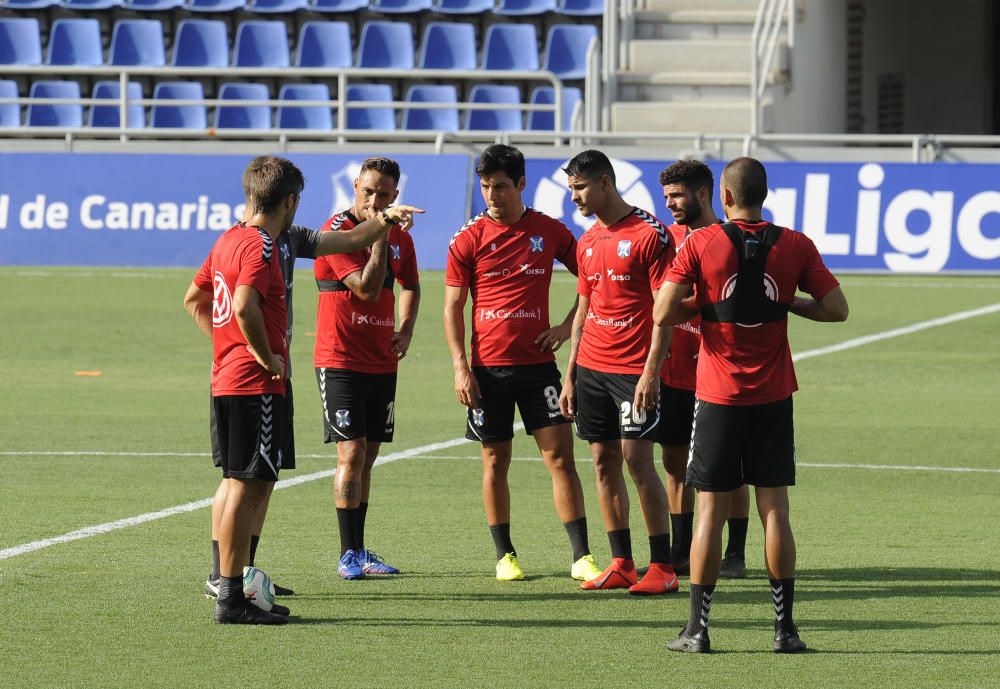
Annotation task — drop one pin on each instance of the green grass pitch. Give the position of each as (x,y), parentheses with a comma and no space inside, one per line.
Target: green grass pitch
(899,569)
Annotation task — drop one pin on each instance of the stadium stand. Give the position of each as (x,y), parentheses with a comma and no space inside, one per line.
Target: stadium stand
(448,46)
(304,117)
(201,43)
(90,5)
(214,5)
(10,113)
(153,5)
(31,4)
(463,6)
(539,120)
(75,42)
(55,114)
(109,115)
(507,47)
(400,6)
(243,116)
(444,119)
(566,50)
(504,120)
(386,44)
(20,41)
(520,8)
(138,42)
(261,44)
(381,117)
(581,8)
(324,44)
(179,116)
(338,6)
(276,6)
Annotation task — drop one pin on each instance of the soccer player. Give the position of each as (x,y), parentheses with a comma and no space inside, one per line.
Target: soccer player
(687,190)
(745,274)
(295,242)
(357,353)
(504,257)
(612,382)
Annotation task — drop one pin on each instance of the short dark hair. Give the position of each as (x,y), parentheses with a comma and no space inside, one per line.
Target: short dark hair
(591,165)
(692,174)
(269,180)
(501,158)
(746,178)
(384,166)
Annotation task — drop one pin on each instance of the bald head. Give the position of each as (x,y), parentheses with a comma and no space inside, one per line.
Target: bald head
(746,180)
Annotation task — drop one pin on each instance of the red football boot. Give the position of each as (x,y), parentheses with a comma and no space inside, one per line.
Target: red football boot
(620,574)
(659,578)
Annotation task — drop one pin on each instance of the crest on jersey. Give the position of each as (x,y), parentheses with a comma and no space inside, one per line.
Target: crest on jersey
(537,244)
(624,248)
(222,302)
(589,252)
(343,418)
(478,417)
(394,250)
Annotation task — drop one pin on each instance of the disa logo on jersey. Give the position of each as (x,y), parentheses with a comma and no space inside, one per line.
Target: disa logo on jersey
(343,186)
(552,196)
(222,302)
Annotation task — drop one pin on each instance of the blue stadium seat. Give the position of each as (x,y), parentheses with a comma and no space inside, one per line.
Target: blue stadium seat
(20,41)
(87,5)
(520,8)
(201,43)
(53,115)
(108,115)
(153,5)
(386,44)
(138,42)
(10,113)
(305,117)
(463,6)
(545,121)
(581,8)
(30,4)
(338,6)
(566,50)
(243,116)
(502,120)
(261,44)
(214,5)
(276,6)
(381,117)
(448,46)
(75,42)
(511,46)
(324,44)
(445,119)
(400,6)
(179,116)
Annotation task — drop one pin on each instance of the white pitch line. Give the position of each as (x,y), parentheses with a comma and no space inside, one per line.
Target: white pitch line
(416,451)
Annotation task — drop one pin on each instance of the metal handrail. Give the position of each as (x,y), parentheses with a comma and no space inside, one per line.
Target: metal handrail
(340,103)
(772,16)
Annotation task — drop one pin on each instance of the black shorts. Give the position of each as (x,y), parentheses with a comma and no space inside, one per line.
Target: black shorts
(534,388)
(287,453)
(676,416)
(249,432)
(604,408)
(736,445)
(357,405)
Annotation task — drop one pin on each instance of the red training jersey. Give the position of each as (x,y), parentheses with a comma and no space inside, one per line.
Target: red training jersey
(352,333)
(508,269)
(744,364)
(620,266)
(680,367)
(243,255)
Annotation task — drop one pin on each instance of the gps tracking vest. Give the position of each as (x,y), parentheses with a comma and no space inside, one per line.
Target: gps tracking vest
(747,302)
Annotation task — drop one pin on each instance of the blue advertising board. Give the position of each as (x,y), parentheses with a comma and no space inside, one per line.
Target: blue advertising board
(166,210)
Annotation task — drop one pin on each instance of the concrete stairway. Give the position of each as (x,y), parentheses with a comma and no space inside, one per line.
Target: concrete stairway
(689,68)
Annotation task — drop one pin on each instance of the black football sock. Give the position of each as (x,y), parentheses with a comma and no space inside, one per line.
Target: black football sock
(783,595)
(681,528)
(362,514)
(577,530)
(501,539)
(701,606)
(659,549)
(231,591)
(737,537)
(215,561)
(621,543)
(254,540)
(347,520)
